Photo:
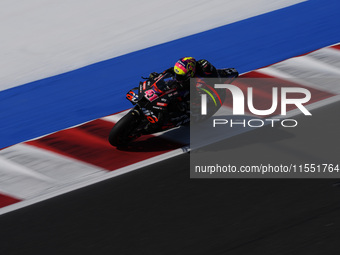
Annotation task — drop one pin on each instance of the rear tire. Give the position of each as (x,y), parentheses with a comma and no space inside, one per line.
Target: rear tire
(121,133)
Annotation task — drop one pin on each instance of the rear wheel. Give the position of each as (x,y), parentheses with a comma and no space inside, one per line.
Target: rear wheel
(122,132)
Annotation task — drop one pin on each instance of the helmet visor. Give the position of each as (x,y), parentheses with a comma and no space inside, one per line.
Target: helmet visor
(181,78)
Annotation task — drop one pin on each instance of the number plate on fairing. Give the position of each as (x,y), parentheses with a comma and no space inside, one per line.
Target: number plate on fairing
(151,95)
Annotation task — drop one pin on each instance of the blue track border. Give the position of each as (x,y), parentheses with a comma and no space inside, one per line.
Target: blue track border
(97,90)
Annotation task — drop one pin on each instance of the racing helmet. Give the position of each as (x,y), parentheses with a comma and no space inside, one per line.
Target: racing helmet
(185,69)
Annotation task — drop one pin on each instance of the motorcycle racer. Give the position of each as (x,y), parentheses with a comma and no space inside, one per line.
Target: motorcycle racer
(184,69)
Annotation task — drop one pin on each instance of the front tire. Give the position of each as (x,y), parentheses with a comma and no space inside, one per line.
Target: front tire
(121,133)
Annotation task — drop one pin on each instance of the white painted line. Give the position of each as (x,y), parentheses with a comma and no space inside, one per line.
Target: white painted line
(116,117)
(27,171)
(13,168)
(313,64)
(98,179)
(278,73)
(321,81)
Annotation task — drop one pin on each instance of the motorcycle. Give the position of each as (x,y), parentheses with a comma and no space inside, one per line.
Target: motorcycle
(162,98)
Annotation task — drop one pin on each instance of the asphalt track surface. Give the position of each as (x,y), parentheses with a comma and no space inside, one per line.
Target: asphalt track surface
(160,210)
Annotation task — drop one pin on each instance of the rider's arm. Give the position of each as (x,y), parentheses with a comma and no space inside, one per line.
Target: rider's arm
(206,69)
(155,75)
(231,73)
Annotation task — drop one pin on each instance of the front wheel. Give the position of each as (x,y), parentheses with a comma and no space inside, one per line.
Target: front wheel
(122,132)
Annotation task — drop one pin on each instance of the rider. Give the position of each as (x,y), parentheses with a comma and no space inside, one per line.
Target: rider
(184,69)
